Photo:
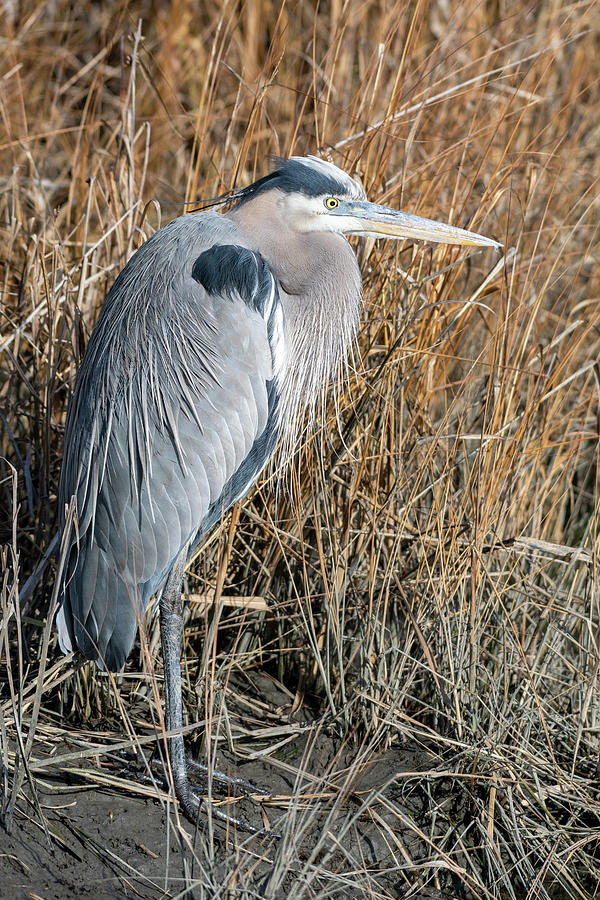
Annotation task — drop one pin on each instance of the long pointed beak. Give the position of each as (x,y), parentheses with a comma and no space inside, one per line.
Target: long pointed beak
(379,221)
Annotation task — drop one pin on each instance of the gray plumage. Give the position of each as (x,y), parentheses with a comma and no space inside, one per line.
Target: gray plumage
(149,453)
(219,334)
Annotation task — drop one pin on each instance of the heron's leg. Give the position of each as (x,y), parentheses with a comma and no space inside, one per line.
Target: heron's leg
(171,626)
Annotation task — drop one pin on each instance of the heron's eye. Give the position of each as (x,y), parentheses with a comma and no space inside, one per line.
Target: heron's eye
(331,203)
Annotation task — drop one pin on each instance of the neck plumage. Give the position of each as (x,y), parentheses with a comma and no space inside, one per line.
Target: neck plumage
(320,288)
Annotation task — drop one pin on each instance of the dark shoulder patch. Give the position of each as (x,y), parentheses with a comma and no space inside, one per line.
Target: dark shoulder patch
(229,270)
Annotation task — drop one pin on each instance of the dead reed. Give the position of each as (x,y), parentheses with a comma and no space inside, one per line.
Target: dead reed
(420,661)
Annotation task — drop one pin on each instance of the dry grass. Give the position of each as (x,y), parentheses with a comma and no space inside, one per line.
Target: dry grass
(431,578)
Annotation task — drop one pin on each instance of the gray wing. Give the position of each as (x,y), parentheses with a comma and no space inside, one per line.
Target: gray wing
(172,419)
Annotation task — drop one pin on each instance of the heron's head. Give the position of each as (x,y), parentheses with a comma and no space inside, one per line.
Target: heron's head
(314,195)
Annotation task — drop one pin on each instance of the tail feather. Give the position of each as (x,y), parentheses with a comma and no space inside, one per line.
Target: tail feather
(105,630)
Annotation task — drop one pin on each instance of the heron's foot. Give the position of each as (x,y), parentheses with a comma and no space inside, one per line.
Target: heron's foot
(197,806)
(193,797)
(140,765)
(218,779)
(194,803)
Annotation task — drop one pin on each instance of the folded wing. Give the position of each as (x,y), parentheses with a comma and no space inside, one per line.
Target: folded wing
(173,417)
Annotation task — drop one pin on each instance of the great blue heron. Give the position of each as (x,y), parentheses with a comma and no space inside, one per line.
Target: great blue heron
(214,337)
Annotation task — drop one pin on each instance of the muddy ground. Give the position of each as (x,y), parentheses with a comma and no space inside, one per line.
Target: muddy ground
(106,845)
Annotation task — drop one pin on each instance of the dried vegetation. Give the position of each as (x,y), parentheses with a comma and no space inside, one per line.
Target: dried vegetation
(424,596)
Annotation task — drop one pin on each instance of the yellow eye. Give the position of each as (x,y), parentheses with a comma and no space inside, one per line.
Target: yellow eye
(331,203)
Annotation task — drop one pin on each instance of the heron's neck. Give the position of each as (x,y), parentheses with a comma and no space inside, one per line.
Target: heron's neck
(320,288)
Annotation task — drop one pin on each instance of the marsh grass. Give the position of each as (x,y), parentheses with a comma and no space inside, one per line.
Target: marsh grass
(425,590)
